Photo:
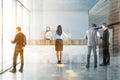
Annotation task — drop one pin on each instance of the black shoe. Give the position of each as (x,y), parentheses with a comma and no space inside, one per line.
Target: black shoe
(108,63)
(102,65)
(87,66)
(12,71)
(20,70)
(95,66)
(59,62)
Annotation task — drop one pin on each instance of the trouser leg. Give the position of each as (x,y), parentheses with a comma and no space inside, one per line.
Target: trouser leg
(15,59)
(104,56)
(108,56)
(22,59)
(88,55)
(95,55)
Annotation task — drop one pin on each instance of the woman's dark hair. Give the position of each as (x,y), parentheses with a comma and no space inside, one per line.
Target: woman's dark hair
(59,30)
(94,25)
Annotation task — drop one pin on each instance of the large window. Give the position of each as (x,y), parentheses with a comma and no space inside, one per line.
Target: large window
(0,35)
(12,14)
(23,18)
(19,14)
(7,33)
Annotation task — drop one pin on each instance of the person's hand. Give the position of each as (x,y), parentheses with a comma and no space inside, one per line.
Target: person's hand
(101,37)
(97,46)
(11,41)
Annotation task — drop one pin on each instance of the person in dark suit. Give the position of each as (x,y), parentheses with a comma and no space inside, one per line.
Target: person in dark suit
(20,40)
(105,44)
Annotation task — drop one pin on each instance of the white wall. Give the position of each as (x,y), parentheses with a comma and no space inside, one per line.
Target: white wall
(36,23)
(74,23)
(36,20)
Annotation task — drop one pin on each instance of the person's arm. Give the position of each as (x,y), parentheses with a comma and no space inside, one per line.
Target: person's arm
(65,36)
(25,41)
(96,39)
(86,36)
(107,35)
(15,40)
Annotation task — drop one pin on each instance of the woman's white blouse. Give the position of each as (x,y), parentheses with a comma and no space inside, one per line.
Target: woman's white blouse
(48,35)
(60,36)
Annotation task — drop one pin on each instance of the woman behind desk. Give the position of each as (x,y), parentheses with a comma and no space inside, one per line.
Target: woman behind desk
(48,35)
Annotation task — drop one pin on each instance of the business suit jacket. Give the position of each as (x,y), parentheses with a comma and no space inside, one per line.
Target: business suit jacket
(105,39)
(91,35)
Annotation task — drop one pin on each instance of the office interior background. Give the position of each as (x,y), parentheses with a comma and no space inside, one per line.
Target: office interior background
(75,16)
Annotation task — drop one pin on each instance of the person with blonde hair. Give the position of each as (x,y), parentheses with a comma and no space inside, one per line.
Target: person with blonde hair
(20,41)
(48,35)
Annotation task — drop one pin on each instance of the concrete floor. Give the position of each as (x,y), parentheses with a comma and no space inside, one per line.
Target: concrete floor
(35,70)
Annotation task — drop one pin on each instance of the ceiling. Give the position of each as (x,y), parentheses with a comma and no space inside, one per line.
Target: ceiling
(63,5)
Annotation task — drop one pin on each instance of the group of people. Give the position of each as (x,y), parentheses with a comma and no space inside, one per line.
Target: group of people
(92,36)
